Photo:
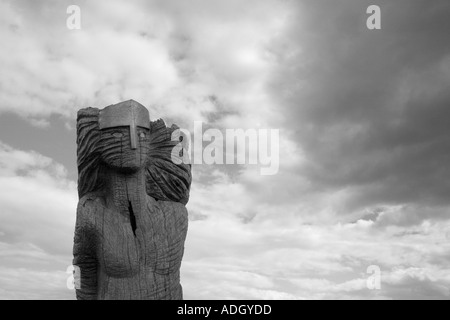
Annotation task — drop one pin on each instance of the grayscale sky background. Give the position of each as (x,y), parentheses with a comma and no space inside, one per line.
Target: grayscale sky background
(364,139)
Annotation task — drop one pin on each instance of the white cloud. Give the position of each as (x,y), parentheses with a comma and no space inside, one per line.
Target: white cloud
(230,257)
(38,217)
(168,55)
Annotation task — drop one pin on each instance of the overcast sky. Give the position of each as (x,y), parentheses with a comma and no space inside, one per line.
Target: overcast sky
(364,139)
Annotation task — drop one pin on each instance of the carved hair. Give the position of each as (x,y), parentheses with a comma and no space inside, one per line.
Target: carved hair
(88,151)
(165,180)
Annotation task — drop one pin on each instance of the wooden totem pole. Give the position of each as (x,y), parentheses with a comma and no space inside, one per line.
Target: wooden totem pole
(131,218)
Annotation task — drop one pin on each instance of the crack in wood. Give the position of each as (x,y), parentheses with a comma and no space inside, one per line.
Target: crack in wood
(132,218)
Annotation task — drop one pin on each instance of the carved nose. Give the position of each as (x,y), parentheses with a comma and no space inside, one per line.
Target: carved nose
(133,142)
(133,136)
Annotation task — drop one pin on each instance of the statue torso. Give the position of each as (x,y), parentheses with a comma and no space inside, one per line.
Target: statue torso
(145,261)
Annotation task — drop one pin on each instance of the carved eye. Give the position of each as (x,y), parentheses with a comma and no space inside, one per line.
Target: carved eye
(117,135)
(142,135)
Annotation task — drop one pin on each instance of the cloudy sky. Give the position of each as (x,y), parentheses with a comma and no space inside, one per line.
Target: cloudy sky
(364,139)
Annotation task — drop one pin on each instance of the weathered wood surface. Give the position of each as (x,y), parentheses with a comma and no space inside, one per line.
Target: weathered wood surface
(131,218)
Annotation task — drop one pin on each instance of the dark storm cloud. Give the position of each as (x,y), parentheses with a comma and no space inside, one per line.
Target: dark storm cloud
(370,108)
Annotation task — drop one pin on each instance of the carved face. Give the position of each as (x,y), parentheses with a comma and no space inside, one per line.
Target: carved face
(118,151)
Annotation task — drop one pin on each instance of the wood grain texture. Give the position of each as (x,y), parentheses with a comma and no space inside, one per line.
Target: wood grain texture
(131,218)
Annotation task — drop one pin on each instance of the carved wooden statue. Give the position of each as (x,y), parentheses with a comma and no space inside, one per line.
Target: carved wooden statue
(131,218)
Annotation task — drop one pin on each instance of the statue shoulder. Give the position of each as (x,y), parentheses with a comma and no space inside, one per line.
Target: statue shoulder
(90,204)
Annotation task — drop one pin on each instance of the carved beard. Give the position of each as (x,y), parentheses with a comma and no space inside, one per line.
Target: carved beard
(117,153)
